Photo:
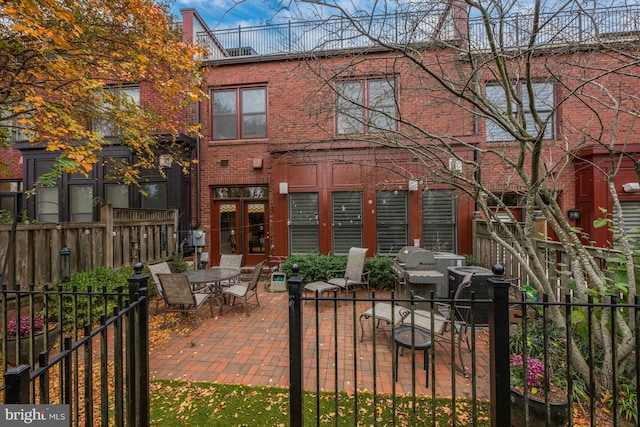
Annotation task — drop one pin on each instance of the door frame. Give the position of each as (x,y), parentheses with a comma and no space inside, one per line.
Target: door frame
(242,230)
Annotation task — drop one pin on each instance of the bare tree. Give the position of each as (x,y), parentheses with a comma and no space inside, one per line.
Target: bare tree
(513,97)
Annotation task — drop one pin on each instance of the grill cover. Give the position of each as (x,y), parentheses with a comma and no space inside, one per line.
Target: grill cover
(413,258)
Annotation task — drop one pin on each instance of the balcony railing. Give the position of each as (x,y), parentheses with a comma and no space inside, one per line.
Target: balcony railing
(581,26)
(564,27)
(331,34)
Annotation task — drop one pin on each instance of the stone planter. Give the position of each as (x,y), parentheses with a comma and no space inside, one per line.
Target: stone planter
(38,346)
(536,409)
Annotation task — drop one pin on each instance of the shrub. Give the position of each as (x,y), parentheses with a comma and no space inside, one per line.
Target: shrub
(556,351)
(179,265)
(97,279)
(535,377)
(314,267)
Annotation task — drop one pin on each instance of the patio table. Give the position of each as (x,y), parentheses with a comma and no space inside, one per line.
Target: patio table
(213,275)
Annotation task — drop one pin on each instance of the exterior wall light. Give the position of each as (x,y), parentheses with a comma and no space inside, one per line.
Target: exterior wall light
(573,214)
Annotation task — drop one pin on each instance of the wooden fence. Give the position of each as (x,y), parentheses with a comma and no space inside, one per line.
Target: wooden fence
(555,258)
(122,237)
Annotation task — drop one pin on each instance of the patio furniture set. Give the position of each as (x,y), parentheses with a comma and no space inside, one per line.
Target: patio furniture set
(412,328)
(188,292)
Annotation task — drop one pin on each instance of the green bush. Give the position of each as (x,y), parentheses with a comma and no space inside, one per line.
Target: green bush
(556,352)
(179,265)
(314,267)
(113,280)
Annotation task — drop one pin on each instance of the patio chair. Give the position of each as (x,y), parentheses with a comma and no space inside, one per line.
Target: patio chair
(251,289)
(353,275)
(180,297)
(447,315)
(155,269)
(383,312)
(230,261)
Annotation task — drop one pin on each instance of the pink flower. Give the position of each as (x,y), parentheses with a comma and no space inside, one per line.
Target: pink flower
(23,327)
(534,375)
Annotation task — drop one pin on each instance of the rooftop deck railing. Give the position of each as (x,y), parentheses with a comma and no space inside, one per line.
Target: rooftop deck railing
(579,26)
(330,34)
(569,26)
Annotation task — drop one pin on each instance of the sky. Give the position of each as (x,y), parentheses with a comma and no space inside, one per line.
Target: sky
(219,14)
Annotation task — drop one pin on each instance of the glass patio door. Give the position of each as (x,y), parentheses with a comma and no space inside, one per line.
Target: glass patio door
(240,227)
(255,237)
(229,227)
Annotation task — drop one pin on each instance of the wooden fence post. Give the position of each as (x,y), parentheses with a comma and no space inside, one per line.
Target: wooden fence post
(106,215)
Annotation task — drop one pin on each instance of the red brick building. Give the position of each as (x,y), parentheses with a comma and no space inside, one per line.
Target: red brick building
(280,174)
(283,167)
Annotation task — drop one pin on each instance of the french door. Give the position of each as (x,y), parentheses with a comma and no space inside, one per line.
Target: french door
(242,227)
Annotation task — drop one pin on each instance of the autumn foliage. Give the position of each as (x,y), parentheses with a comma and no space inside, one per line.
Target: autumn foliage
(59,63)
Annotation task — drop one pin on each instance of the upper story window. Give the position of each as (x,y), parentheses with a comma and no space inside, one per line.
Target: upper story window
(240,113)
(116,97)
(544,102)
(13,125)
(366,105)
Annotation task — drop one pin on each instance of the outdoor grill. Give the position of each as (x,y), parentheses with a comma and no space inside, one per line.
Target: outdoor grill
(415,271)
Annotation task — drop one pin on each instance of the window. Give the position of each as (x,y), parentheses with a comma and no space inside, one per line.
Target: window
(13,126)
(81,203)
(117,195)
(366,105)
(10,198)
(240,113)
(304,229)
(347,221)
(155,196)
(392,222)
(439,220)
(121,94)
(544,104)
(47,204)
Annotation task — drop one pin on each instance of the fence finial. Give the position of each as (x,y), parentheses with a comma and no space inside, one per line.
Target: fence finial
(498,270)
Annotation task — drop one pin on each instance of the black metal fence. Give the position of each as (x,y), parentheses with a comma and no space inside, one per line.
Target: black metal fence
(520,357)
(100,369)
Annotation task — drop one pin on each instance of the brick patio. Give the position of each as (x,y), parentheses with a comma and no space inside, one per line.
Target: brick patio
(254,350)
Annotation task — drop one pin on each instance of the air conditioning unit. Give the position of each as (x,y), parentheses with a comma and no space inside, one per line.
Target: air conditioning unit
(479,284)
(444,260)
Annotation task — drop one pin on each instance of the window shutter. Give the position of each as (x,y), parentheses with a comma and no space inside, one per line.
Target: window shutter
(439,220)
(392,221)
(303,223)
(631,214)
(347,221)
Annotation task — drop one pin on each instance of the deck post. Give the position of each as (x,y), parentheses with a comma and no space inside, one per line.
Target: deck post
(296,388)
(499,349)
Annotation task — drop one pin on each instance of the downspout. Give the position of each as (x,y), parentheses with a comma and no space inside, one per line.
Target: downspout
(198,219)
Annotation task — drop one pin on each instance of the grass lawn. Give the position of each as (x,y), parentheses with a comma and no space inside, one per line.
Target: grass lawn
(181,403)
